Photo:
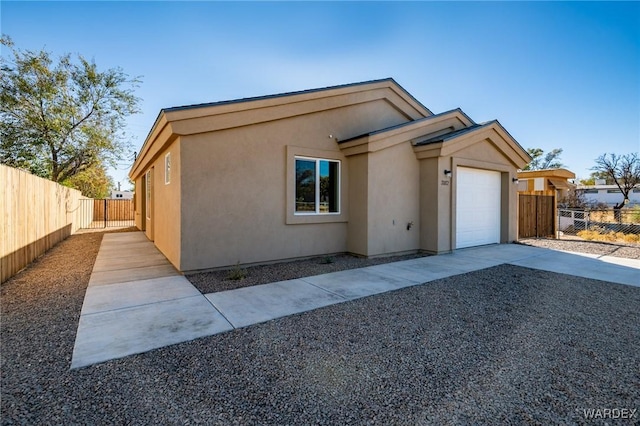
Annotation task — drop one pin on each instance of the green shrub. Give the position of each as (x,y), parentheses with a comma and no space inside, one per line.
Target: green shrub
(237,273)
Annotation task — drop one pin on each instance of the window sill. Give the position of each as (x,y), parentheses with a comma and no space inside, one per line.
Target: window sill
(311,218)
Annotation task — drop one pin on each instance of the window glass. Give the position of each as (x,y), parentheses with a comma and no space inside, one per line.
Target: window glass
(148,194)
(167,168)
(328,186)
(317,186)
(305,186)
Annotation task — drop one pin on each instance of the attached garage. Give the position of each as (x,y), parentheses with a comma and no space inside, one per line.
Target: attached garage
(477,207)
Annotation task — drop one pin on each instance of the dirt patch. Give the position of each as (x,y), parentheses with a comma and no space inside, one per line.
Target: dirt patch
(629,251)
(210,282)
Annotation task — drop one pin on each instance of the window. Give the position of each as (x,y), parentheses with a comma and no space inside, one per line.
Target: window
(590,191)
(148,179)
(636,190)
(167,168)
(317,186)
(613,191)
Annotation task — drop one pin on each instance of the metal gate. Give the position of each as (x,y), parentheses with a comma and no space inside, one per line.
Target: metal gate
(536,217)
(107,213)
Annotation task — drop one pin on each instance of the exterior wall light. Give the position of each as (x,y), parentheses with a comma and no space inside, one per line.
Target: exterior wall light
(514,180)
(447,172)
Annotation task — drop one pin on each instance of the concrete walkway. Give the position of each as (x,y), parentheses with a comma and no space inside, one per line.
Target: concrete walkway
(136,301)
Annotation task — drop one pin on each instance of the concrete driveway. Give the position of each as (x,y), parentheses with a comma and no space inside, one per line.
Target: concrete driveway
(136,301)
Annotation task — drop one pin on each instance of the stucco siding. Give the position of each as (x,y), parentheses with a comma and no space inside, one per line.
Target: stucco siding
(167,214)
(429,205)
(163,223)
(357,237)
(394,201)
(234,191)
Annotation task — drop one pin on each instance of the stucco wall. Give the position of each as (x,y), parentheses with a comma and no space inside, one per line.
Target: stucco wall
(234,186)
(163,227)
(393,201)
(168,211)
(358,234)
(429,205)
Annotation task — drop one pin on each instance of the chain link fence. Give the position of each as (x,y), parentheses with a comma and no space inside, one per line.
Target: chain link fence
(609,225)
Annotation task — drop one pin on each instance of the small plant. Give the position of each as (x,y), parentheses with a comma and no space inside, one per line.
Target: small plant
(326,260)
(237,273)
(610,237)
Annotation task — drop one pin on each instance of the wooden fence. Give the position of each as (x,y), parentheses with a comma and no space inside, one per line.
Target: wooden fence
(536,216)
(36,215)
(108,213)
(118,210)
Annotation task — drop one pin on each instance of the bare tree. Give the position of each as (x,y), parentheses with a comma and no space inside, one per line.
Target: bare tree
(624,170)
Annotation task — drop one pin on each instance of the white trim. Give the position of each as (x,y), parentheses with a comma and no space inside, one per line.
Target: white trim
(317,161)
(147,194)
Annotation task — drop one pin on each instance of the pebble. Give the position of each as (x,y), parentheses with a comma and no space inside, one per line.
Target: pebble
(445,352)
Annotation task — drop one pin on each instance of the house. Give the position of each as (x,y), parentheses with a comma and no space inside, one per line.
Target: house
(122,195)
(554,182)
(608,194)
(538,194)
(360,168)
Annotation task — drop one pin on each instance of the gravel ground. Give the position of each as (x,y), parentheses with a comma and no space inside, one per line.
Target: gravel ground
(210,282)
(501,345)
(591,247)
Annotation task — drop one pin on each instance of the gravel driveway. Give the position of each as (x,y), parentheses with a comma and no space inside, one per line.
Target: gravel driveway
(501,345)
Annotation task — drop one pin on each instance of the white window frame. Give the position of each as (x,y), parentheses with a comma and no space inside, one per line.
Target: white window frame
(167,168)
(148,194)
(317,160)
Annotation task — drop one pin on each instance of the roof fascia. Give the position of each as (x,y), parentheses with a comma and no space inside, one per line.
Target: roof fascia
(159,127)
(391,136)
(560,173)
(184,120)
(492,131)
(218,108)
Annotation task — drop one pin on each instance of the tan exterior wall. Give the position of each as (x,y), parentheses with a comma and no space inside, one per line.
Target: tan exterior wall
(393,201)
(358,230)
(430,228)
(167,205)
(164,224)
(235,191)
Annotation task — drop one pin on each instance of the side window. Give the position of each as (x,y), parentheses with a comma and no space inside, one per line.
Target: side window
(149,179)
(167,168)
(317,186)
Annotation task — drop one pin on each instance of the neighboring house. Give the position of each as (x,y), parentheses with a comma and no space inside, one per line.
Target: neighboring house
(122,195)
(361,168)
(608,194)
(545,182)
(538,195)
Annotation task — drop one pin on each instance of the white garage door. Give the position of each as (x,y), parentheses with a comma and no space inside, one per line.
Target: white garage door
(477,207)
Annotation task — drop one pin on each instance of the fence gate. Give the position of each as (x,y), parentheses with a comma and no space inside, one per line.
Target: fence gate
(536,217)
(107,213)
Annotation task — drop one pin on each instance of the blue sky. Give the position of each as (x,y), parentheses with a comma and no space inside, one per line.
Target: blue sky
(555,74)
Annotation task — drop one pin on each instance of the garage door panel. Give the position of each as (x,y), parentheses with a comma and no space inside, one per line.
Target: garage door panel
(477,207)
